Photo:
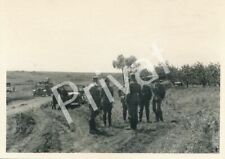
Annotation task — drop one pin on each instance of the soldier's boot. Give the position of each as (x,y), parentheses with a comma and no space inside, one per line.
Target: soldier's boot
(124,114)
(154,109)
(110,120)
(92,125)
(140,114)
(157,116)
(131,123)
(131,126)
(161,115)
(135,124)
(158,111)
(147,115)
(104,119)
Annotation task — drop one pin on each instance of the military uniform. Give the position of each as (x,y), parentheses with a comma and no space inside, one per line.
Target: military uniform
(146,95)
(95,92)
(54,102)
(124,105)
(107,106)
(159,94)
(133,100)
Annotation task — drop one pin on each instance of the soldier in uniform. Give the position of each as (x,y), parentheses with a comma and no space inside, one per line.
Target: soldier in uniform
(123,102)
(107,105)
(159,94)
(95,92)
(133,100)
(54,102)
(146,95)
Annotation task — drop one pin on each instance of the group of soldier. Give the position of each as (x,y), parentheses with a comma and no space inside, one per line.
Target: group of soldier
(139,97)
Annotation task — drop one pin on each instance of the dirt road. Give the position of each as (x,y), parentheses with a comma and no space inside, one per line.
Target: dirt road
(187,127)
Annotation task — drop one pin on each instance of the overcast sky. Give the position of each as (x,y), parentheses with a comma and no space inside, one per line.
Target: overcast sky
(86,35)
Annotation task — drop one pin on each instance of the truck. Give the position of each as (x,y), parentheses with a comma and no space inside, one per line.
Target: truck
(43,89)
(9,87)
(66,93)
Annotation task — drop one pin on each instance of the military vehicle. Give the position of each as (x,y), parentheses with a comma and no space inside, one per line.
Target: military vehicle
(43,89)
(178,84)
(67,93)
(9,87)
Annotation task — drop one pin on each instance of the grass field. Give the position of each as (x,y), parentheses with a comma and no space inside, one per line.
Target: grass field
(191,122)
(24,82)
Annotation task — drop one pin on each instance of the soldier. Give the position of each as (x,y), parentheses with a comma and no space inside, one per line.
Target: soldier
(95,92)
(124,105)
(54,102)
(106,104)
(133,100)
(146,95)
(159,94)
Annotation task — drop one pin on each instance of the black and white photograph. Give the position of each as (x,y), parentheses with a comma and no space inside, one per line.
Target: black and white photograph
(119,77)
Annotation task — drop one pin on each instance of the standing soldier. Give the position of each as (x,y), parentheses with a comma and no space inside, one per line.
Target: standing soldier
(146,95)
(95,92)
(106,104)
(124,105)
(133,100)
(54,102)
(159,94)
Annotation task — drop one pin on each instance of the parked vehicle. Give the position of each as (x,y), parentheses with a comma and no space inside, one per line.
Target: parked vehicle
(67,93)
(178,84)
(9,87)
(43,88)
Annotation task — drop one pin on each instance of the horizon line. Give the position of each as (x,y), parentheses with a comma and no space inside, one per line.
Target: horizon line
(116,70)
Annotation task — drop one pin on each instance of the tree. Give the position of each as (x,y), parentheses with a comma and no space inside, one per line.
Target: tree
(217,73)
(186,74)
(213,74)
(189,74)
(173,75)
(130,60)
(121,62)
(199,73)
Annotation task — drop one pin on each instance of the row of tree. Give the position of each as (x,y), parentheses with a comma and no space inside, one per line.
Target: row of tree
(195,74)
